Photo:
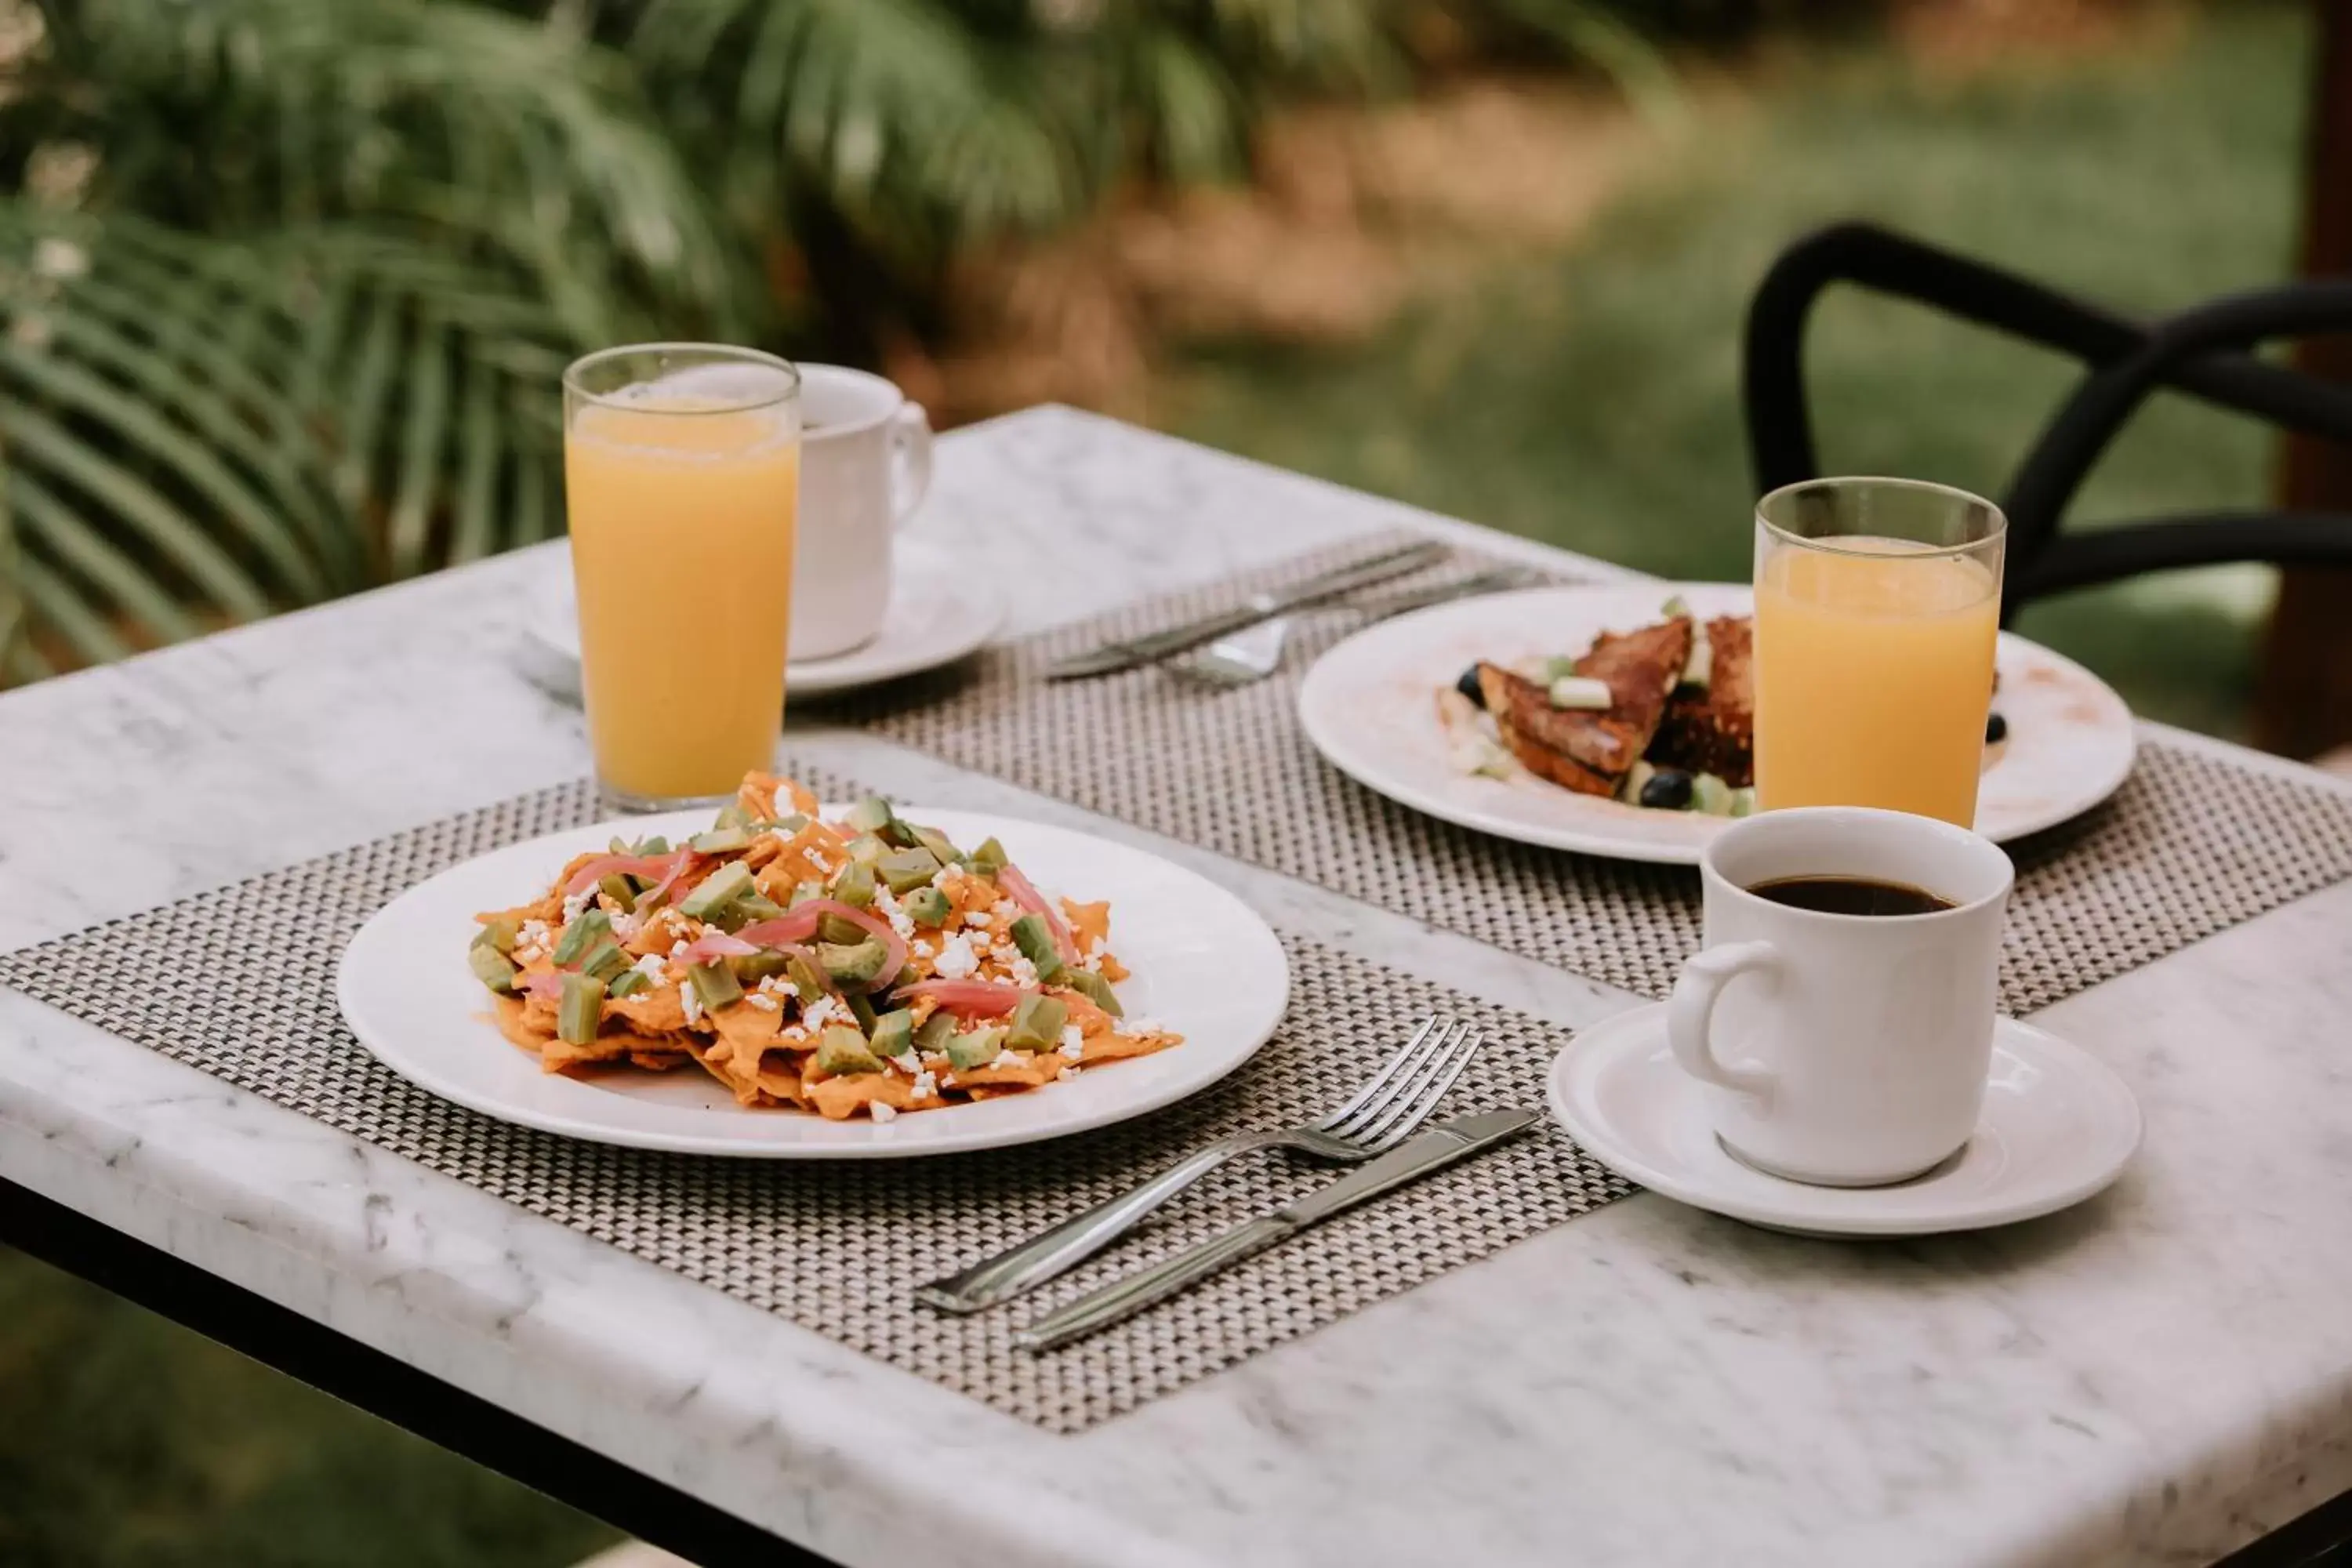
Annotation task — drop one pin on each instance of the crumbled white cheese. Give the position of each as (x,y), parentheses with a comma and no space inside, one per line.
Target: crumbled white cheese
(1092,962)
(1005,909)
(808,852)
(1023,973)
(534,933)
(908,1062)
(652,967)
(922,949)
(1010,1060)
(1073,1046)
(821,1012)
(882,1112)
(975,917)
(687,1001)
(948,1079)
(1142,1025)
(677,947)
(945,875)
(524,953)
(956,961)
(1070,1069)
(925,1086)
(577,904)
(763,1001)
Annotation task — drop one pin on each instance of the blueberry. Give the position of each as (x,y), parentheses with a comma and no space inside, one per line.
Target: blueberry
(1468,686)
(1669,789)
(1996,729)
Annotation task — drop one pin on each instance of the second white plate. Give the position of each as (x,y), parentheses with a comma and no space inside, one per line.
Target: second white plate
(1370,707)
(1204,966)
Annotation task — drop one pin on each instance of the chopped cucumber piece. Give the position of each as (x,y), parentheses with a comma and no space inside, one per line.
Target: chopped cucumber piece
(852,965)
(582,934)
(1711,796)
(894,1034)
(618,888)
(1677,609)
(841,1050)
(1582,692)
(989,858)
(492,967)
(607,961)
(927,906)
(721,841)
(732,815)
(974,1049)
(854,886)
(1036,1025)
(871,814)
(905,869)
(1637,778)
(1743,801)
(497,935)
(1094,989)
(751,968)
(939,844)
(846,933)
(807,979)
(715,985)
(1037,944)
(721,888)
(932,1038)
(580,1010)
(628,982)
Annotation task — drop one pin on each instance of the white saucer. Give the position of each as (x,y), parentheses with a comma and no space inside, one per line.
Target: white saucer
(941,607)
(2057,1127)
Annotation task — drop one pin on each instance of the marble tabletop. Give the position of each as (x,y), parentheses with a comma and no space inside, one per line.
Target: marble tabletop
(2158,1376)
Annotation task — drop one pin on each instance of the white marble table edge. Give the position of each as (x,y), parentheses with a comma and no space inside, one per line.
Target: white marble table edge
(437,1282)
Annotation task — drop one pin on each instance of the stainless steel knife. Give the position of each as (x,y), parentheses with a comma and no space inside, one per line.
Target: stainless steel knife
(1441,1145)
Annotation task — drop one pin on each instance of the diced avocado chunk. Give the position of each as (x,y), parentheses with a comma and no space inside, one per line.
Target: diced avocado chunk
(618,888)
(492,967)
(871,814)
(854,886)
(721,841)
(861,1008)
(1094,989)
(1743,801)
(808,980)
(751,968)
(656,845)
(715,985)
(732,815)
(894,1034)
(974,1049)
(580,935)
(619,846)
(1036,1025)
(989,858)
(1037,944)
(605,962)
(751,907)
(498,935)
(717,890)
(628,982)
(939,844)
(804,891)
(788,825)
(580,1009)
(865,848)
(852,965)
(905,869)
(927,906)
(1711,796)
(836,928)
(841,1050)
(932,1038)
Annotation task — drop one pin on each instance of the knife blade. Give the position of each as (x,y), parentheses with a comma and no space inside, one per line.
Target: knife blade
(1111,657)
(1418,1157)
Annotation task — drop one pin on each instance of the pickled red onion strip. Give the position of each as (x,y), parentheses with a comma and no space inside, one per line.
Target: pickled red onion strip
(966,998)
(665,866)
(802,922)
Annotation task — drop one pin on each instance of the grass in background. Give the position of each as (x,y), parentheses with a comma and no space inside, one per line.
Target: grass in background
(1590,398)
(136,1443)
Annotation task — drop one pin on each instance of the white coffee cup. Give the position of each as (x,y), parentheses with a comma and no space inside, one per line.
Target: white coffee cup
(1843,1049)
(865,463)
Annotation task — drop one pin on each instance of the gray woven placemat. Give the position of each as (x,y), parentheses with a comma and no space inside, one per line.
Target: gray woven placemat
(240,982)
(2190,846)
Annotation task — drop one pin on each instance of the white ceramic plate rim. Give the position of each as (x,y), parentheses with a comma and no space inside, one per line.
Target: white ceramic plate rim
(919,569)
(1842,1211)
(1225,991)
(1331,718)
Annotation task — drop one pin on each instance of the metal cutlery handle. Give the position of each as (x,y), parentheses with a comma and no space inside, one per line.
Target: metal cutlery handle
(1053,1252)
(1125,1297)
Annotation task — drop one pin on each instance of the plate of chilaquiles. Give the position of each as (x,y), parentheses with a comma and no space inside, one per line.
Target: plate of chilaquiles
(791,979)
(1619,720)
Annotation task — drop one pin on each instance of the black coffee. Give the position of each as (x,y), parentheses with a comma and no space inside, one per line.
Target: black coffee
(1850,896)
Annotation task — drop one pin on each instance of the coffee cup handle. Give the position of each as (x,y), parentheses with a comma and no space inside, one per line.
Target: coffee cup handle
(910,460)
(1690,1014)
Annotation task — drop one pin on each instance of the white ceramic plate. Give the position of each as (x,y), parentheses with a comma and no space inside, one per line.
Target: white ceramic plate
(1371,706)
(1205,966)
(942,609)
(2057,1127)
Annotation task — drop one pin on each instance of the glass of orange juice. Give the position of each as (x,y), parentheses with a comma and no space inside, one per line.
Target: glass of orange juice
(1877,607)
(681,480)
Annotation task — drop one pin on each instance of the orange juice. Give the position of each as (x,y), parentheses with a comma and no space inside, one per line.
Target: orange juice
(682,522)
(1874,673)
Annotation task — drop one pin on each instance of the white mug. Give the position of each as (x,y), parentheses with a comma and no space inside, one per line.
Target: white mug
(866,462)
(1842,1049)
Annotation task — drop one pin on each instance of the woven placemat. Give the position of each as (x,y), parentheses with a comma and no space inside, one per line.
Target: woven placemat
(2190,846)
(240,982)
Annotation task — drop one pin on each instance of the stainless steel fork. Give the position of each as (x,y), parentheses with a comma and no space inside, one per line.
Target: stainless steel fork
(1387,1109)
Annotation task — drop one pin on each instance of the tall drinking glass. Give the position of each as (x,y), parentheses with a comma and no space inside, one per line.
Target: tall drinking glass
(1877,607)
(681,476)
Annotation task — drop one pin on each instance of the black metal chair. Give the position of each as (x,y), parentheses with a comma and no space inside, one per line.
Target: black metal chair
(2203,351)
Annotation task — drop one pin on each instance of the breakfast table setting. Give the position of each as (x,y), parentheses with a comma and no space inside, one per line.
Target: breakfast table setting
(1237,1021)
